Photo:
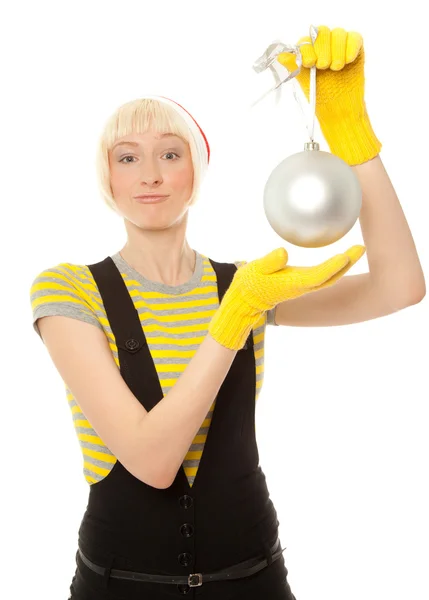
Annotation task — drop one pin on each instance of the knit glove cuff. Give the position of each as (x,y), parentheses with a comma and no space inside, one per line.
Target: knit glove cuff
(347,129)
(234,320)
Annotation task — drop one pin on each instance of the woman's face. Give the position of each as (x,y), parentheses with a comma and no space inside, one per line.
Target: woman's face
(151,163)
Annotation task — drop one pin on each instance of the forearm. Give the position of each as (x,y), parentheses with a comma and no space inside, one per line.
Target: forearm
(169,429)
(393,261)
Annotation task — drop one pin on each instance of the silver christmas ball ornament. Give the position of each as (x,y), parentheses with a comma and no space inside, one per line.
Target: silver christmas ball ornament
(312,198)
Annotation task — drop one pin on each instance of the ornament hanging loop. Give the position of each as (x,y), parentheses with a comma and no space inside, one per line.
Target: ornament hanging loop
(268,61)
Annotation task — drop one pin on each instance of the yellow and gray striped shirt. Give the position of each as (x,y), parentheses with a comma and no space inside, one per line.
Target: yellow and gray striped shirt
(174,320)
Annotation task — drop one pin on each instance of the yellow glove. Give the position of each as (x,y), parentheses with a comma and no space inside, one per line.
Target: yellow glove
(340,106)
(261,284)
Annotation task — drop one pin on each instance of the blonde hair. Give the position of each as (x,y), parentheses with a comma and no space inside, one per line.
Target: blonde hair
(139,116)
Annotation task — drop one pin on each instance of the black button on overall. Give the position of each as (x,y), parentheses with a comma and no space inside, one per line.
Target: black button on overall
(225,518)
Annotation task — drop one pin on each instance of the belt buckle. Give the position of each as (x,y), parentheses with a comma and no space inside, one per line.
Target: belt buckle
(192,578)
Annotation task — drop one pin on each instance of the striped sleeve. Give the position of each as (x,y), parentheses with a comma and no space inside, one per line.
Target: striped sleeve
(60,290)
(270,314)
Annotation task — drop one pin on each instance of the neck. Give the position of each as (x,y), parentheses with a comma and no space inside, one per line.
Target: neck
(161,256)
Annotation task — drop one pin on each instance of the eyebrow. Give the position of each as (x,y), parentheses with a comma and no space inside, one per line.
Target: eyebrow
(163,135)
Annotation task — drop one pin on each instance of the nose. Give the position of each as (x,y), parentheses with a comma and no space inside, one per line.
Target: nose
(150,172)
(150,180)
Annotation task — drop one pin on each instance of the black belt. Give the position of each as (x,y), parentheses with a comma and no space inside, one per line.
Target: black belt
(243,569)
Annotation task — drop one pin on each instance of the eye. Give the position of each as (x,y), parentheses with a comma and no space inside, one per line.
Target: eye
(122,160)
(171,153)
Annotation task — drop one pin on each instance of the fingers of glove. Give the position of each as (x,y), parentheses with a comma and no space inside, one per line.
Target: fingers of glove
(309,56)
(310,277)
(288,60)
(328,269)
(354,253)
(332,49)
(335,277)
(338,48)
(322,47)
(271,262)
(354,46)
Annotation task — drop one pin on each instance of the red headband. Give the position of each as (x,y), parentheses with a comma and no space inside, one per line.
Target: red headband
(201,131)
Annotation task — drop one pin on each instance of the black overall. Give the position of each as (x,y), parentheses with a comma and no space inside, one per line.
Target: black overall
(225,518)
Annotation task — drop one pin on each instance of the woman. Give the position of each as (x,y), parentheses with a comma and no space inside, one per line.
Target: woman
(159,335)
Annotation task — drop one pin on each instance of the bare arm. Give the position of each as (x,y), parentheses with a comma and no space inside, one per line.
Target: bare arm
(353,299)
(151,445)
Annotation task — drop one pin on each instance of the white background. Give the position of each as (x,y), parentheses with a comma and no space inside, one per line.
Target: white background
(342,418)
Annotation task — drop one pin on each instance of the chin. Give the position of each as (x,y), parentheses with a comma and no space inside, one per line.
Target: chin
(157,223)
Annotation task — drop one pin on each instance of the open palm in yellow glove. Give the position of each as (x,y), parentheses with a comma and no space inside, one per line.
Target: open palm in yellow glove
(261,284)
(339,58)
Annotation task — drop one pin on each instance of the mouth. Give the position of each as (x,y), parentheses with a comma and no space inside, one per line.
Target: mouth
(150,199)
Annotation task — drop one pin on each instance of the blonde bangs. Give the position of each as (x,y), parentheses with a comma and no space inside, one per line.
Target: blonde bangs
(140,116)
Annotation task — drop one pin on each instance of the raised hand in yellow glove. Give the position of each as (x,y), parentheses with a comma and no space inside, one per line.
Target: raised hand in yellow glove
(261,284)
(340,105)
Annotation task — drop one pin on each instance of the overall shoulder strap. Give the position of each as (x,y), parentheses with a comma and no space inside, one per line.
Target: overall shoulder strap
(135,360)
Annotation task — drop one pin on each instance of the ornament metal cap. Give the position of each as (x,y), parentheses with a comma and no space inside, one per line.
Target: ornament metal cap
(311,146)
